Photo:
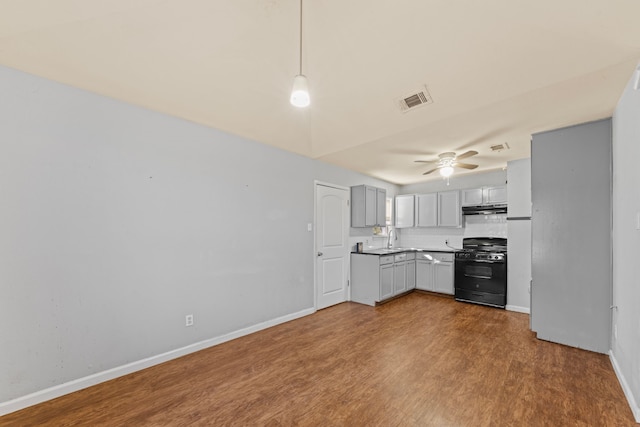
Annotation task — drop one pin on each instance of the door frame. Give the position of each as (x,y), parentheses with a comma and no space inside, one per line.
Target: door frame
(314,255)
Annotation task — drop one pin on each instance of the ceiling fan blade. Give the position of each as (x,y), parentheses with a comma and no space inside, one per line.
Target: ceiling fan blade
(467,154)
(429,171)
(465,165)
(425,161)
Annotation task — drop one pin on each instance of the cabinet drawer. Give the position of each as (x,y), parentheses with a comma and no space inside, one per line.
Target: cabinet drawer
(424,255)
(410,256)
(386,259)
(443,257)
(438,256)
(400,257)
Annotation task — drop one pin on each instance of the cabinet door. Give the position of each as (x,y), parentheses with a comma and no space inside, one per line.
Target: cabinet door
(494,195)
(443,277)
(404,211)
(381,207)
(357,206)
(449,212)
(370,206)
(399,278)
(426,210)
(424,275)
(472,197)
(386,281)
(411,275)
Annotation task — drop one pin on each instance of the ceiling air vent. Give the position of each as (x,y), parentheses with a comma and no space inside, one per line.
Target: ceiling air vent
(500,147)
(414,100)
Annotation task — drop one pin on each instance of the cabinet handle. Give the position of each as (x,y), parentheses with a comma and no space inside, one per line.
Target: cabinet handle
(320,253)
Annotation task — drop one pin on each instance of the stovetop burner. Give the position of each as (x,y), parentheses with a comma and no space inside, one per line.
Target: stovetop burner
(483,248)
(485,244)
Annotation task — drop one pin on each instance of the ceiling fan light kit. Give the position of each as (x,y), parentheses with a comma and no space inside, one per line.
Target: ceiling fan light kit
(447,162)
(446,171)
(300,93)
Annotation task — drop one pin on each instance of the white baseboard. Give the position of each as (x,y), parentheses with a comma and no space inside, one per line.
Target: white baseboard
(518,309)
(625,387)
(97,378)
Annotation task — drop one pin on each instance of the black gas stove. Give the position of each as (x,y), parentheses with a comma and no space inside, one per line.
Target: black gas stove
(481,271)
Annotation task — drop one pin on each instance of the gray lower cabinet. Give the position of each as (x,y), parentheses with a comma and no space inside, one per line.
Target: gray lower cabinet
(386,285)
(435,272)
(411,271)
(375,278)
(399,274)
(443,277)
(424,273)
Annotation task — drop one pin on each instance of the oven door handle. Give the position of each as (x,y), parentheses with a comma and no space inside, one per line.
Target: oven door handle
(477,277)
(485,261)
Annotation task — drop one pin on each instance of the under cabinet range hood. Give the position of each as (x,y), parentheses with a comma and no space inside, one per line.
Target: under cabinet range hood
(485,209)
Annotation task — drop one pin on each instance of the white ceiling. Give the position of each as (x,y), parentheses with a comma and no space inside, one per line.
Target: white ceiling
(498,70)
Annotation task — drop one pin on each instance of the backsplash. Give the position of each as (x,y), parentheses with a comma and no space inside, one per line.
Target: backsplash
(436,238)
(485,226)
(368,239)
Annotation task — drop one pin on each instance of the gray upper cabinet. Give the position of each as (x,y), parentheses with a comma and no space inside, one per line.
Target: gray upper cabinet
(484,196)
(472,197)
(427,210)
(381,206)
(405,211)
(494,195)
(368,206)
(449,212)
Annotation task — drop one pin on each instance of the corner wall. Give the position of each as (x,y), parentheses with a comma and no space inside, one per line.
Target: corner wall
(625,349)
(117,221)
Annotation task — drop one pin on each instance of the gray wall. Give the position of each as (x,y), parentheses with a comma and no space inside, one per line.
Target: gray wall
(626,242)
(117,221)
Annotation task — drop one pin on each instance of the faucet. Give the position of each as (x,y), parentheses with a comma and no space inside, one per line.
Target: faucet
(391,231)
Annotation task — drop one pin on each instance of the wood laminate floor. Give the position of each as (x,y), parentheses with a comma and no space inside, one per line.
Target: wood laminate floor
(420,360)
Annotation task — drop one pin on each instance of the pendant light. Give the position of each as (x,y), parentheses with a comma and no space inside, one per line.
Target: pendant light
(300,93)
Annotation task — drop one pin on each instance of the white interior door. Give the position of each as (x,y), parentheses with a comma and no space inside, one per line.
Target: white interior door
(332,245)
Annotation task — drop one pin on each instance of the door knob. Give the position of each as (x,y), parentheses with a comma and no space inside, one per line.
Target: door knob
(320,254)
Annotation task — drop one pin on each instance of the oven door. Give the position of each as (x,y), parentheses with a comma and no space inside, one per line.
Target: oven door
(481,276)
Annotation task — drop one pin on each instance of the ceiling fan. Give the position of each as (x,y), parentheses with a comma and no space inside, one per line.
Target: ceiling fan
(447,161)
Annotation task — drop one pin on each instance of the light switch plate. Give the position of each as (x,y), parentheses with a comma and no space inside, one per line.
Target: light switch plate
(637,220)
(309,226)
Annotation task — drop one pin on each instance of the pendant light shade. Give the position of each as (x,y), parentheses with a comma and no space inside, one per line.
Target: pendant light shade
(300,93)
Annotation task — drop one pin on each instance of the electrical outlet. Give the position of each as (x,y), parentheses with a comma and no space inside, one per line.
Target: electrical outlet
(188,320)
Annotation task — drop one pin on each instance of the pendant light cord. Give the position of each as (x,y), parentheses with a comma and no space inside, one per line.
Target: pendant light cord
(300,37)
